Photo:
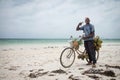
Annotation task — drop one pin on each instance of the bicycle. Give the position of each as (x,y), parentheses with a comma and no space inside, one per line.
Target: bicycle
(69,54)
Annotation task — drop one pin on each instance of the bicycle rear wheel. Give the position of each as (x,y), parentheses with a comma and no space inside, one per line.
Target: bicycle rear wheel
(97,56)
(67,57)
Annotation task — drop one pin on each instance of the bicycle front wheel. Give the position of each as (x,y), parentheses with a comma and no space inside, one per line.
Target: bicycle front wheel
(67,57)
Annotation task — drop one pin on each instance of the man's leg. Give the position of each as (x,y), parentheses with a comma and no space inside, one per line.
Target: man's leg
(92,51)
(88,51)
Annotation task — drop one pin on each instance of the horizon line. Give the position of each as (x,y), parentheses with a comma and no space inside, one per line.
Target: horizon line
(50,38)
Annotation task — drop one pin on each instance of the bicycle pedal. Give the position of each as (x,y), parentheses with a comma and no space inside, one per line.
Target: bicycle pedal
(79,57)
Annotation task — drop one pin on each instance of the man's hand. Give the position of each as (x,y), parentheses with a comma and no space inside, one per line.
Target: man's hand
(89,36)
(78,26)
(85,38)
(80,23)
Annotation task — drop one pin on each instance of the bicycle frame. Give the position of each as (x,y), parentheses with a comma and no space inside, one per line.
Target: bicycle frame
(78,52)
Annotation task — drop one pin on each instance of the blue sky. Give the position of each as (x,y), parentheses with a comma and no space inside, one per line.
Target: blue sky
(57,18)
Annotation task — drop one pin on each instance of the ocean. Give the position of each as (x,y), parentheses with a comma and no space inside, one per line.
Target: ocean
(45,41)
(32,41)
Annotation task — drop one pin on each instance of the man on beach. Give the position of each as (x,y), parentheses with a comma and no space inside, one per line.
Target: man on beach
(89,32)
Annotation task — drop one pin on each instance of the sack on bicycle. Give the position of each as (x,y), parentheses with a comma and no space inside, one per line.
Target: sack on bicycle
(76,43)
(97,43)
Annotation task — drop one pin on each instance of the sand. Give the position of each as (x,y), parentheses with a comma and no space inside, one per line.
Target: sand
(41,62)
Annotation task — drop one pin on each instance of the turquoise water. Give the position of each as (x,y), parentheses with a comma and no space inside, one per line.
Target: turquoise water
(45,41)
(32,41)
(111,40)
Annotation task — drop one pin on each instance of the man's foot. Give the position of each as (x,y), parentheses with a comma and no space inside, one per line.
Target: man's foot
(93,66)
(89,63)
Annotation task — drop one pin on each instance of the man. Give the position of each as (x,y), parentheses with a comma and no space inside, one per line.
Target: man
(89,31)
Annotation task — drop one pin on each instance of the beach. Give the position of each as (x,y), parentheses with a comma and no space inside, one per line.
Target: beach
(42,62)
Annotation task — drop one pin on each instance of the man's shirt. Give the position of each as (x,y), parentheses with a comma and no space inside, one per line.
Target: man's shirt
(87,29)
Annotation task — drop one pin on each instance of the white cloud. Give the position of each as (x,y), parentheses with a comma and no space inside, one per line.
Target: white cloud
(57,18)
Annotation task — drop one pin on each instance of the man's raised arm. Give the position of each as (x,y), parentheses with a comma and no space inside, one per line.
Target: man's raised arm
(78,28)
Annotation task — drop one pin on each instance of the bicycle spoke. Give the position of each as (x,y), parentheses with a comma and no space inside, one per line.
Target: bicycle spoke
(69,54)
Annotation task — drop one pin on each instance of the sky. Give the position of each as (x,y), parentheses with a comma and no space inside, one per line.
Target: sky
(58,18)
